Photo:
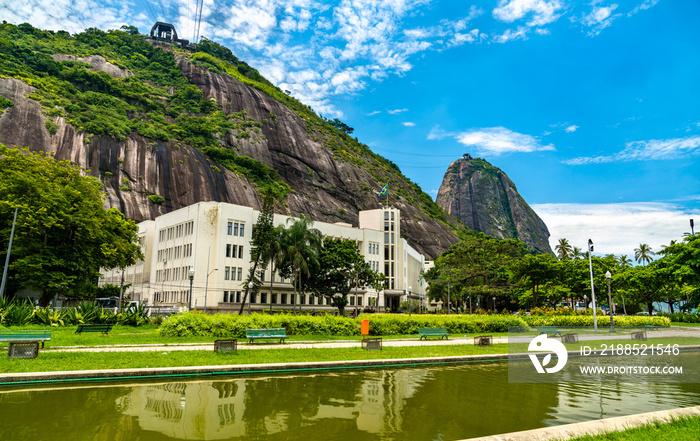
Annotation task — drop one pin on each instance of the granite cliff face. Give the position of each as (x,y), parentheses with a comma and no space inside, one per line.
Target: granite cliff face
(486,200)
(326,183)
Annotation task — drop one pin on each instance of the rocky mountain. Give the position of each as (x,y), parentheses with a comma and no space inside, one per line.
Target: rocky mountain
(486,200)
(163,128)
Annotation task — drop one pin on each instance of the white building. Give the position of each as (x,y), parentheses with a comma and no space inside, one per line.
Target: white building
(213,240)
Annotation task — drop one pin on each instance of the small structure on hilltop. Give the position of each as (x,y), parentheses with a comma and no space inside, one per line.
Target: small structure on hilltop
(166,33)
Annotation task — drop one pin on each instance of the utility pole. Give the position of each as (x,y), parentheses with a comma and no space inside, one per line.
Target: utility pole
(590,264)
(7,258)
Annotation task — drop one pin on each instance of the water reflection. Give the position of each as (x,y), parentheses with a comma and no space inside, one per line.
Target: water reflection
(445,402)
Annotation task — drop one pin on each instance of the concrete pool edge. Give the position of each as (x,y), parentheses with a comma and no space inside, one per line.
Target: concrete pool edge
(596,427)
(11,379)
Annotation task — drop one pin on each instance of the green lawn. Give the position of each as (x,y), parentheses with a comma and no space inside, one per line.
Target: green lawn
(148,334)
(66,361)
(692,325)
(682,429)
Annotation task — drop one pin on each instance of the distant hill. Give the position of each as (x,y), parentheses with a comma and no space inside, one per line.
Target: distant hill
(486,200)
(163,128)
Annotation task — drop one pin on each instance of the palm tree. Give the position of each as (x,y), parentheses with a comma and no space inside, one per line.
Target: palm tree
(564,249)
(623,260)
(300,249)
(643,254)
(577,253)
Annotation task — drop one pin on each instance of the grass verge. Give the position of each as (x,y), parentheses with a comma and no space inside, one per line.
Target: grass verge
(681,429)
(67,361)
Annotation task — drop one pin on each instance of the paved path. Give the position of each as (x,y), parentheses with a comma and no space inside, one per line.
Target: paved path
(243,345)
(247,346)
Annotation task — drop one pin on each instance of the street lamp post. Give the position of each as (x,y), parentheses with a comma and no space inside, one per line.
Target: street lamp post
(585,302)
(494,303)
(250,294)
(191,281)
(206,288)
(610,305)
(590,264)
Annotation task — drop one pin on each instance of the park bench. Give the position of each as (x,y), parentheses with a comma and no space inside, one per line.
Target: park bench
(266,334)
(93,328)
(432,332)
(25,336)
(651,327)
(548,330)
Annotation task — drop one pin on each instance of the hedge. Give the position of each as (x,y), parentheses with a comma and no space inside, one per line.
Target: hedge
(603,320)
(234,326)
(683,318)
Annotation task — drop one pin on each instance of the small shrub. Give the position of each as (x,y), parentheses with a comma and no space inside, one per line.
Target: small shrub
(156,198)
(51,126)
(124,188)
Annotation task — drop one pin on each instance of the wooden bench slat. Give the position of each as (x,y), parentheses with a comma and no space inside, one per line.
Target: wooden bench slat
(266,334)
(432,332)
(93,328)
(17,336)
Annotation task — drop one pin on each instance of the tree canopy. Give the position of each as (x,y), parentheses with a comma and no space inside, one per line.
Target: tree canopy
(63,234)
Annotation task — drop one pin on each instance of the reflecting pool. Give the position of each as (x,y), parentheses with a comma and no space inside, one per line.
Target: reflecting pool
(425,403)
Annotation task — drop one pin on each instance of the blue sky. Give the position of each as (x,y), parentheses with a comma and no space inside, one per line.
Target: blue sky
(592,108)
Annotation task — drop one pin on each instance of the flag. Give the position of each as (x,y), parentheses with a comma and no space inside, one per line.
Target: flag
(385,191)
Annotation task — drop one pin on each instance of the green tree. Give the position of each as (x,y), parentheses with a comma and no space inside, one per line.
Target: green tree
(683,261)
(63,235)
(564,249)
(340,268)
(536,271)
(301,245)
(643,254)
(477,266)
(644,284)
(263,234)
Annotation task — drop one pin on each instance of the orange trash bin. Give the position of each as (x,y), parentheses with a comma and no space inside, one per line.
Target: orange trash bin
(364,327)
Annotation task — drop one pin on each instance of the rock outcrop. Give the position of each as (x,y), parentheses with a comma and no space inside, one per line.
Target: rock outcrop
(486,200)
(325,185)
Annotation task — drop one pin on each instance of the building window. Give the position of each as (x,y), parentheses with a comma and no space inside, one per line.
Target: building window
(228,251)
(263,297)
(225,296)
(226,272)
(311,300)
(303,299)
(284,299)
(386,226)
(253,297)
(240,251)
(229,228)
(352,300)
(359,301)
(291,299)
(274,298)
(241,231)
(386,237)
(240,274)
(392,237)
(386,215)
(238,297)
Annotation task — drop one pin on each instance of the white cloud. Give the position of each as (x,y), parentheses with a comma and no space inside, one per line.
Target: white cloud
(646,4)
(651,150)
(511,35)
(615,228)
(494,140)
(540,12)
(396,111)
(376,112)
(572,128)
(599,18)
(409,124)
